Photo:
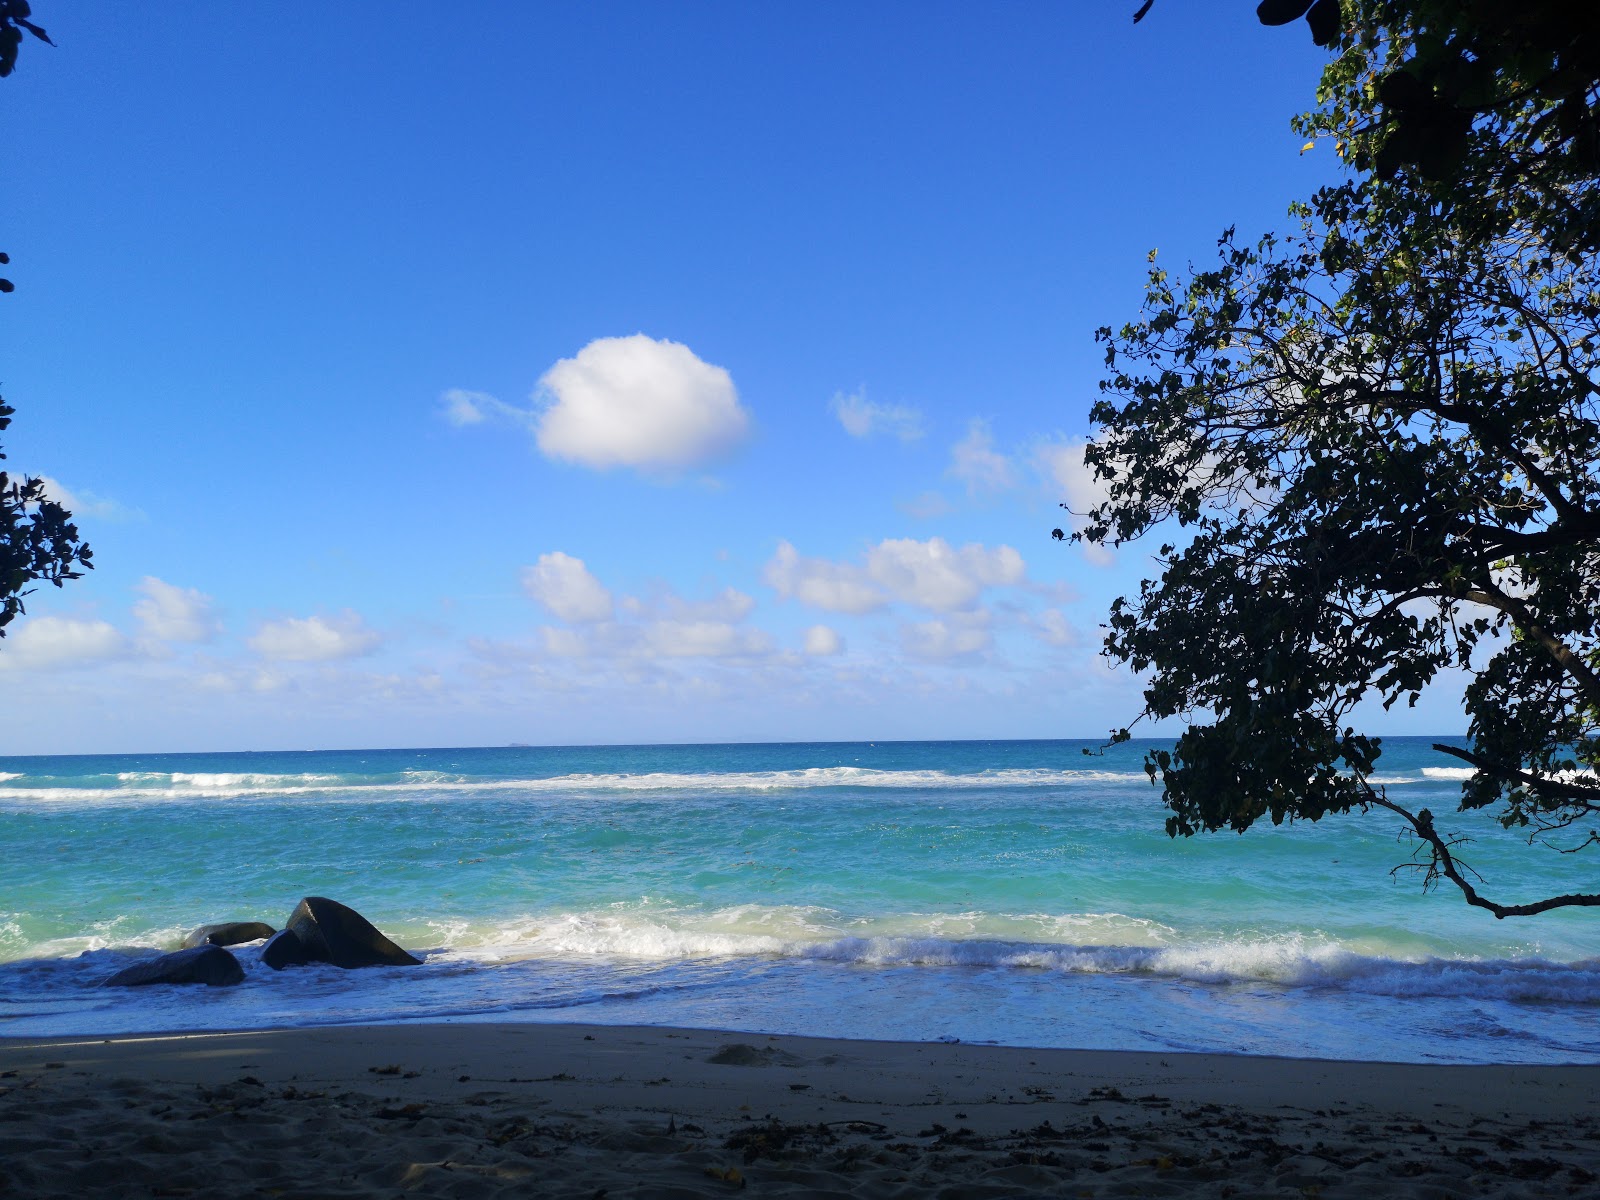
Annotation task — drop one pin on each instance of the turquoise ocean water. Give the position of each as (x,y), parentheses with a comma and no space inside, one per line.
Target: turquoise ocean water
(1014,892)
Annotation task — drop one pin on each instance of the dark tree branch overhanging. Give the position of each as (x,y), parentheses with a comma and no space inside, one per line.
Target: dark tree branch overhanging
(1395,403)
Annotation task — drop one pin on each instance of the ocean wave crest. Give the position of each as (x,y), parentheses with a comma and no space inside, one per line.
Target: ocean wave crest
(1068,944)
(151,786)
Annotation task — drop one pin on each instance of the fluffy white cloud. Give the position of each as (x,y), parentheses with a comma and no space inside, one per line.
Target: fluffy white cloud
(564,585)
(1063,466)
(60,642)
(862,418)
(976,462)
(942,641)
(638,402)
(931,574)
(822,641)
(835,587)
(315,639)
(174,614)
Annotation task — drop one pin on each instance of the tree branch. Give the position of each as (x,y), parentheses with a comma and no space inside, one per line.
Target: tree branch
(1444,863)
(1554,787)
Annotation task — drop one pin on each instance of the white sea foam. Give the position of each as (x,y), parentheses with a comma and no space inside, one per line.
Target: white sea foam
(147,786)
(1469,772)
(1069,944)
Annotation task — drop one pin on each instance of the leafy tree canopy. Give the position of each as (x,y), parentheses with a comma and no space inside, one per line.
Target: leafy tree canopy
(38,541)
(1372,448)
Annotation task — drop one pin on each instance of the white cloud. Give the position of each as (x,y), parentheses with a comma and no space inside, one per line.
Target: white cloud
(638,402)
(466,408)
(174,614)
(976,462)
(662,626)
(942,641)
(933,574)
(461,408)
(730,604)
(1052,627)
(704,639)
(564,585)
(862,418)
(82,503)
(835,587)
(315,639)
(60,642)
(822,641)
(563,643)
(1062,464)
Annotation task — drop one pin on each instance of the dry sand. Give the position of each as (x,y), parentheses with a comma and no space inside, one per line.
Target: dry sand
(605,1111)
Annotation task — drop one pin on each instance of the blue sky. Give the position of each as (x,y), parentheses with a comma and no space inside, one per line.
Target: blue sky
(604,373)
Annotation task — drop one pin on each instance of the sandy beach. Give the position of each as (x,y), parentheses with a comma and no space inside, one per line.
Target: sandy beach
(592,1111)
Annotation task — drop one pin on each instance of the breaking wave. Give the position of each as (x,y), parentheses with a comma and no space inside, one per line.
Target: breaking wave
(146,786)
(1069,944)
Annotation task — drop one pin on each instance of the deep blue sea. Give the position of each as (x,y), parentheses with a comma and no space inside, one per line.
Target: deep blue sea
(1012,892)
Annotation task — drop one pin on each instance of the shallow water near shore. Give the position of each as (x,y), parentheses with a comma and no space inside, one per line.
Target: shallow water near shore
(1014,892)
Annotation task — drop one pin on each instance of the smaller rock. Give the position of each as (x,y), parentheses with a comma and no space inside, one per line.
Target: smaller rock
(211,965)
(228,933)
(284,949)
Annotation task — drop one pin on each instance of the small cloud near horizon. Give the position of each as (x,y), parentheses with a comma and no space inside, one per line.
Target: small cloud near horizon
(315,638)
(43,642)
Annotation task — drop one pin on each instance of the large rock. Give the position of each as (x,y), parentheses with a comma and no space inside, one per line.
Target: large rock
(228,933)
(284,949)
(199,964)
(330,932)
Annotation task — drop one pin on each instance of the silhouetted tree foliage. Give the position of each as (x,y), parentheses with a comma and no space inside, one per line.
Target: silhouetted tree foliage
(1372,447)
(1493,102)
(14,16)
(38,541)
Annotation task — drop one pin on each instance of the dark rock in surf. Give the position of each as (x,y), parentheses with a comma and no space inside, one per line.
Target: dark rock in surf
(331,932)
(210,965)
(228,933)
(284,949)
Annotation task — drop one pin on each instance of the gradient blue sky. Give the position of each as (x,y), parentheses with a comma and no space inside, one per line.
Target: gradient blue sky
(624,372)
